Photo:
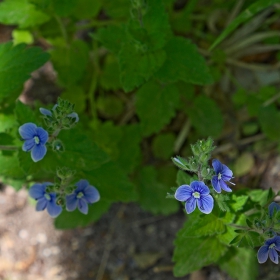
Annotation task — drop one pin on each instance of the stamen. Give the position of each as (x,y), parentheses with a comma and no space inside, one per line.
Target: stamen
(196,194)
(47,196)
(80,195)
(36,139)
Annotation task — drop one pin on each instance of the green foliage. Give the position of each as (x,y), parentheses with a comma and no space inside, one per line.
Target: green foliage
(240,264)
(163,145)
(155,105)
(12,11)
(190,253)
(190,65)
(12,74)
(248,13)
(152,194)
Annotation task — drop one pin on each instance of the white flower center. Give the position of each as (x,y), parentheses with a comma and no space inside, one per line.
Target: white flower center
(196,194)
(80,195)
(219,176)
(272,245)
(36,139)
(47,196)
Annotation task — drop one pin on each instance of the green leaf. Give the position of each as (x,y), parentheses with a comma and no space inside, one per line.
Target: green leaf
(12,74)
(248,13)
(22,36)
(112,183)
(10,167)
(191,254)
(183,62)
(155,106)
(111,37)
(67,220)
(259,196)
(119,9)
(244,164)
(70,62)
(162,145)
(24,114)
(240,264)
(109,106)
(65,7)
(152,194)
(76,95)
(268,116)
(21,13)
(86,9)
(137,66)
(206,116)
(110,75)
(129,148)
(239,202)
(183,178)
(6,139)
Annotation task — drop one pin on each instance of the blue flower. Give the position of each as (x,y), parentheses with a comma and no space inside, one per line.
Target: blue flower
(35,139)
(47,112)
(44,199)
(269,249)
(223,175)
(195,194)
(271,207)
(83,195)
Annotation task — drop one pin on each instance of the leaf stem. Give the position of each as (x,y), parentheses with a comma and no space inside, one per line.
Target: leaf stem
(62,29)
(182,136)
(8,148)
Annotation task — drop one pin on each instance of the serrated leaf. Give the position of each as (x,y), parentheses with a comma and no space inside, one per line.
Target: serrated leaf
(206,116)
(162,145)
(21,13)
(67,220)
(12,74)
(183,62)
(240,264)
(70,62)
(10,167)
(24,114)
(119,9)
(137,66)
(111,37)
(244,16)
(155,106)
(239,202)
(112,183)
(152,194)
(191,254)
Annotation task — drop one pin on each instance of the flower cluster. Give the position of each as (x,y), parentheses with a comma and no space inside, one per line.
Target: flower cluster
(271,245)
(198,194)
(61,195)
(83,195)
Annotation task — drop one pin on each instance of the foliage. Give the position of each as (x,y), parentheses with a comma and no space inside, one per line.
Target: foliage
(140,82)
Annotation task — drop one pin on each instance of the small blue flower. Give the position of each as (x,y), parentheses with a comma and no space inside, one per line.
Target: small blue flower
(195,194)
(47,112)
(44,199)
(223,175)
(35,139)
(271,207)
(83,195)
(269,249)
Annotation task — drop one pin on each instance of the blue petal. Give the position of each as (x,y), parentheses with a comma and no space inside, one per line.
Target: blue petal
(216,184)
(42,134)
(91,194)
(217,165)
(38,152)
(83,206)
(28,145)
(53,209)
(224,186)
(37,191)
(263,254)
(190,205)
(275,240)
(205,204)
(45,112)
(200,187)
(273,255)
(271,207)
(183,193)
(41,204)
(27,131)
(74,116)
(71,202)
(226,173)
(81,185)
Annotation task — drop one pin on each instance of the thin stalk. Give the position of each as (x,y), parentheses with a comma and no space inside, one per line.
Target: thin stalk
(62,29)
(8,148)
(182,136)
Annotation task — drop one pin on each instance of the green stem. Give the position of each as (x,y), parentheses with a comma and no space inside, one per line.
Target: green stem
(182,136)
(95,23)
(62,29)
